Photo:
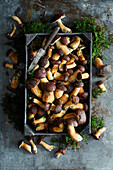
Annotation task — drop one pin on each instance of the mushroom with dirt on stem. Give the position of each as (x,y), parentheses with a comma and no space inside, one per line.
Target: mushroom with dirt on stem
(100,132)
(103,70)
(102,86)
(10,35)
(57,18)
(17,19)
(24,145)
(45,145)
(33,145)
(12,55)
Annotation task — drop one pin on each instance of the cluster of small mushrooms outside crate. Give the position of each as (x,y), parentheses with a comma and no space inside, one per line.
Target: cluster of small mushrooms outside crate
(57,86)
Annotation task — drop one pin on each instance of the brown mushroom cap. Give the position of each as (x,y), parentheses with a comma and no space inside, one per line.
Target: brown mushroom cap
(104,71)
(85,107)
(70,88)
(60,86)
(55,62)
(40,73)
(32,83)
(43,61)
(66,78)
(81,68)
(64,41)
(70,71)
(75,99)
(58,121)
(50,86)
(99,82)
(66,57)
(57,102)
(40,111)
(72,122)
(79,76)
(84,96)
(83,62)
(57,17)
(81,116)
(74,56)
(60,52)
(78,83)
(33,109)
(46,106)
(58,109)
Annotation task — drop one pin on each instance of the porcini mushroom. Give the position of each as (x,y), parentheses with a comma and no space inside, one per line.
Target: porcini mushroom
(65,58)
(54,116)
(83,96)
(80,116)
(12,55)
(77,84)
(102,86)
(99,132)
(17,20)
(72,123)
(76,106)
(75,43)
(55,39)
(46,146)
(37,121)
(49,74)
(59,90)
(10,35)
(33,145)
(103,70)
(60,152)
(69,66)
(24,145)
(75,99)
(36,101)
(57,18)
(65,40)
(64,99)
(44,62)
(50,49)
(64,48)
(73,77)
(42,126)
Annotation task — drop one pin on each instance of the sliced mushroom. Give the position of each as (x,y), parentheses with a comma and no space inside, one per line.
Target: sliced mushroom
(12,55)
(99,132)
(24,145)
(17,20)
(33,145)
(57,18)
(102,86)
(46,146)
(10,35)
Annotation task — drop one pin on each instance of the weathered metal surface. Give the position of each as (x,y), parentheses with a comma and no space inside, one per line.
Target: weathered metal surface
(97,155)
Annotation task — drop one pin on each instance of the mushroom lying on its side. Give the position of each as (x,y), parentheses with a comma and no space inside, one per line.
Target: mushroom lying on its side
(17,20)
(99,132)
(24,145)
(45,145)
(60,152)
(33,145)
(10,35)
(12,55)
(102,86)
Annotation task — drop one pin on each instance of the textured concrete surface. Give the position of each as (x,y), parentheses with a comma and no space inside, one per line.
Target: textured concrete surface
(96,155)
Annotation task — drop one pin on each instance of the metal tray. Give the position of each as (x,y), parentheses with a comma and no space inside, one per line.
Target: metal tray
(28,131)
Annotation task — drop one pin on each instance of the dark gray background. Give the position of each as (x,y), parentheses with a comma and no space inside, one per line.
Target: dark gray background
(96,155)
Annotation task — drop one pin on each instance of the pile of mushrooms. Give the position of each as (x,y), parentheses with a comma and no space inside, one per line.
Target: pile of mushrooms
(57,87)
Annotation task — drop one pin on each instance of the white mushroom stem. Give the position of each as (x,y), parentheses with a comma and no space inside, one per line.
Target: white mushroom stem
(54,69)
(37,91)
(17,20)
(99,132)
(62,113)
(62,64)
(85,75)
(72,65)
(70,61)
(102,87)
(62,27)
(77,106)
(57,129)
(58,93)
(80,55)
(34,146)
(48,97)
(55,56)
(76,43)
(73,77)
(98,63)
(64,98)
(40,126)
(75,91)
(46,146)
(67,105)
(49,74)
(58,76)
(26,147)
(73,134)
(64,48)
(40,120)
(13,31)
(36,101)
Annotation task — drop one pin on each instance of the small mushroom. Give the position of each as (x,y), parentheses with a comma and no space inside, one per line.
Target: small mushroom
(46,146)
(55,116)
(15,80)
(40,73)
(44,62)
(17,20)
(73,77)
(80,55)
(72,123)
(48,97)
(59,90)
(69,66)
(75,43)
(58,109)
(12,55)
(39,103)
(81,68)
(102,86)
(32,112)
(65,40)
(55,56)
(81,116)
(42,126)
(10,35)
(37,121)
(50,86)
(57,129)
(75,99)
(78,85)
(8,65)
(33,145)
(32,54)
(49,74)
(55,62)
(84,96)
(57,18)
(99,132)
(60,152)
(64,99)
(50,49)
(64,48)
(65,58)
(74,56)
(58,76)
(54,69)
(24,145)
(103,70)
